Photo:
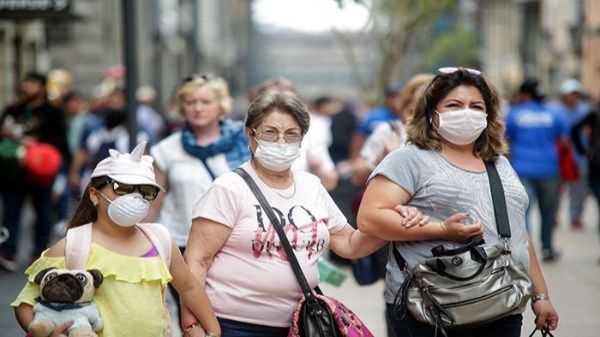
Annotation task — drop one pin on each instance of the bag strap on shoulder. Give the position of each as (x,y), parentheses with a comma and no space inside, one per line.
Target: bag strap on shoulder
(500,210)
(77,246)
(160,238)
(499,200)
(287,247)
(79,240)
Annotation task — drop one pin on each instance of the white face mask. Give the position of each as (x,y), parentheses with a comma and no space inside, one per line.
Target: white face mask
(276,157)
(127,210)
(461,127)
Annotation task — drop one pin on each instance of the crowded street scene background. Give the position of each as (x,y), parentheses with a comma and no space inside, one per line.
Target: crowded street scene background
(79,78)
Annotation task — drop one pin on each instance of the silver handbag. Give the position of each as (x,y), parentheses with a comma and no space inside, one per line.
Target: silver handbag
(474,284)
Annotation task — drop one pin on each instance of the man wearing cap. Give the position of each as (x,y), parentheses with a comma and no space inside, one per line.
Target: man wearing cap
(572,106)
(31,120)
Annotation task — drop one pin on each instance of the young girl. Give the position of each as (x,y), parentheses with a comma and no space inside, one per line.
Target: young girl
(130,299)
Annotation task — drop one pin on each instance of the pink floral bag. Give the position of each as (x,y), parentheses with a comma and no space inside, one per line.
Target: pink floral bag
(317,315)
(347,323)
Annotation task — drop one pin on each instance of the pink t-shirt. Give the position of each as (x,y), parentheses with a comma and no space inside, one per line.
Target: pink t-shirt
(250,279)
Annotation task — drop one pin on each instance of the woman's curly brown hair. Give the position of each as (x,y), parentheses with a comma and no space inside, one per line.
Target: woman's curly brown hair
(420,130)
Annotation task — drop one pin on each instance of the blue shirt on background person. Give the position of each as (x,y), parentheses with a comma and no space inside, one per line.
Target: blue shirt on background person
(533,130)
(374,117)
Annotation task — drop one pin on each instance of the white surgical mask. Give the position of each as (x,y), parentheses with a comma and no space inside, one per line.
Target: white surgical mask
(127,210)
(276,157)
(461,127)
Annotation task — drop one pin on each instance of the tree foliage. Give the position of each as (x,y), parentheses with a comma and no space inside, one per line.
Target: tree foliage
(393,26)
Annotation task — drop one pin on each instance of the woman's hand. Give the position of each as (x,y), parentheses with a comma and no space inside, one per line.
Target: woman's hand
(412,216)
(545,315)
(195,331)
(455,229)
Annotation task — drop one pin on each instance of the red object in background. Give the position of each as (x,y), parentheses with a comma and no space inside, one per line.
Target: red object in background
(567,163)
(41,162)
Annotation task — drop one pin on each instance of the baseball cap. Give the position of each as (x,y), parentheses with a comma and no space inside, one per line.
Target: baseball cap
(570,86)
(133,168)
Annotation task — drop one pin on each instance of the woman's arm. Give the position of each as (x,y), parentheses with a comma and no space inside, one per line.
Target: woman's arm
(350,243)
(205,241)
(545,314)
(377,216)
(156,205)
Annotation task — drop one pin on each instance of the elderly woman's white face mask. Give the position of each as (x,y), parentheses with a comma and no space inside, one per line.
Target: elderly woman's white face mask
(270,152)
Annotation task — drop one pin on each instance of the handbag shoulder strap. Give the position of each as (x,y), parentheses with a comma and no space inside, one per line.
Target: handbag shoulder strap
(287,247)
(500,210)
(499,200)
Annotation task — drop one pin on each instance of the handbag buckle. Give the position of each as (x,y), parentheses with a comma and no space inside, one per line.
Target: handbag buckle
(506,242)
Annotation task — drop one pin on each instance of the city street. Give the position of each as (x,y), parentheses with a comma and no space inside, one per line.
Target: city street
(574,283)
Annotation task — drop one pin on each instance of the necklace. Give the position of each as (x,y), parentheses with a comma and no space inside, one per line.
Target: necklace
(284,196)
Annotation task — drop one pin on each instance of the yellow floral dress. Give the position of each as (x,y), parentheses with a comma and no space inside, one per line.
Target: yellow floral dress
(130,299)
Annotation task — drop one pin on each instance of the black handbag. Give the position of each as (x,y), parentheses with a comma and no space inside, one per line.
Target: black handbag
(317,314)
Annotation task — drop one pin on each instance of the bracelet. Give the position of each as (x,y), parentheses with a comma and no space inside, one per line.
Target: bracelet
(540,297)
(190,327)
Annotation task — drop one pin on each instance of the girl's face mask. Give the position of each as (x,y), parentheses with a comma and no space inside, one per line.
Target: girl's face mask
(127,210)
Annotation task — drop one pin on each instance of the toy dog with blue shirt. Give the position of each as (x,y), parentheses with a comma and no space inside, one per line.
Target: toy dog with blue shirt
(66,295)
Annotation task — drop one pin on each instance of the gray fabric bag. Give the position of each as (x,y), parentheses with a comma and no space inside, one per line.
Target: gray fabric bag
(474,284)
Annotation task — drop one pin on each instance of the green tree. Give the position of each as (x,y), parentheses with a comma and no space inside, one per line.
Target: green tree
(457,47)
(393,25)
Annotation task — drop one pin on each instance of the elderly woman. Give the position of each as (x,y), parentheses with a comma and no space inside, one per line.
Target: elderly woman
(455,128)
(233,248)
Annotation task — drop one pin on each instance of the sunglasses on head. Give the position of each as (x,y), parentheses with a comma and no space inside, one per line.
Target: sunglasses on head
(450,70)
(148,192)
(205,77)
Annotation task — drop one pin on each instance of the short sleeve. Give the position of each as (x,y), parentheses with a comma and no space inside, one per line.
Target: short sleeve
(401,167)
(159,154)
(220,203)
(337,221)
(31,290)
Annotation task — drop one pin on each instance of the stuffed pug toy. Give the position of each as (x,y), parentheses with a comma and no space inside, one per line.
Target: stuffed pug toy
(66,295)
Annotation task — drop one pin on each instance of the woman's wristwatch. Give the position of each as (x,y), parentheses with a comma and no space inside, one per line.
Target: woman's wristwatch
(540,297)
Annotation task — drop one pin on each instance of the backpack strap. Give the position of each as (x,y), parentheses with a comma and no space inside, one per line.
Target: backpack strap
(77,246)
(160,238)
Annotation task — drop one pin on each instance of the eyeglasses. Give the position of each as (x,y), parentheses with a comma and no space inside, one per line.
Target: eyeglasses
(450,70)
(148,192)
(273,136)
(205,77)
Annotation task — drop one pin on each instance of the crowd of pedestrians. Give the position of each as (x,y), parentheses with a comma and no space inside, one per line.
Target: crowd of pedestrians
(331,172)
